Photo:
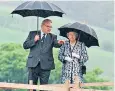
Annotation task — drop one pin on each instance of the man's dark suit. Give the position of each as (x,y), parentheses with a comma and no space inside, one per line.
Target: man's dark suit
(41,56)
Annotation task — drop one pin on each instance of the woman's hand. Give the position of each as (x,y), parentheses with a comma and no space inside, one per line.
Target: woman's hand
(68,59)
(75,55)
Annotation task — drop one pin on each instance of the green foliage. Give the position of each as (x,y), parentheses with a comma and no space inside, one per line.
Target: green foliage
(12,67)
(12,63)
(56,74)
(94,76)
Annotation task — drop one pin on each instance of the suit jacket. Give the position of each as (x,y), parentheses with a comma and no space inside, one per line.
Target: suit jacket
(41,53)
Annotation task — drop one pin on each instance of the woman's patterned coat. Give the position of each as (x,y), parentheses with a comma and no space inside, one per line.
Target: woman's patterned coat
(71,69)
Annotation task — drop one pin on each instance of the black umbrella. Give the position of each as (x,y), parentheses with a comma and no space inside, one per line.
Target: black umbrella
(39,9)
(86,33)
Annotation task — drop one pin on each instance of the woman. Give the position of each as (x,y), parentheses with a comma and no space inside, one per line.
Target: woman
(73,55)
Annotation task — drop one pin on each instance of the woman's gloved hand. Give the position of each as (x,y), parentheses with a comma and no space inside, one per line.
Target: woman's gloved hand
(68,59)
(75,55)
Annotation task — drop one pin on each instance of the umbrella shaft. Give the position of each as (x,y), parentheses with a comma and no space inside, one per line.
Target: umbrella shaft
(37,23)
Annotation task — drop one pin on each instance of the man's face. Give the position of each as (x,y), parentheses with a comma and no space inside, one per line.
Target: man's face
(46,27)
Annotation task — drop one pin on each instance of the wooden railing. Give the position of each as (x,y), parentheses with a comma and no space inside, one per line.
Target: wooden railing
(56,87)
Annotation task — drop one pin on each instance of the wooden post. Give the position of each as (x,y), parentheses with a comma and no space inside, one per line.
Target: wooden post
(67,82)
(31,83)
(76,85)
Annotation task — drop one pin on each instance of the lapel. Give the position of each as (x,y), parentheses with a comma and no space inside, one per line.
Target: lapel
(46,42)
(71,50)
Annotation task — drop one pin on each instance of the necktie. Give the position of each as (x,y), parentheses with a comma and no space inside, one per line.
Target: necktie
(42,40)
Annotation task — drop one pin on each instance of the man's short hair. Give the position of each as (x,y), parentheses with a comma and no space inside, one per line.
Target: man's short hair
(46,21)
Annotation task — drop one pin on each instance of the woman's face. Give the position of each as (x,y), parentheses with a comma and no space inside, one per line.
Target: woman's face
(71,36)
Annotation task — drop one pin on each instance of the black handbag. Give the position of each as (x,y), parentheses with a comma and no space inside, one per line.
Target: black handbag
(83,69)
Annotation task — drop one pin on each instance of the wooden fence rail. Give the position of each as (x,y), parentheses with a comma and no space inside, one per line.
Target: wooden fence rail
(56,87)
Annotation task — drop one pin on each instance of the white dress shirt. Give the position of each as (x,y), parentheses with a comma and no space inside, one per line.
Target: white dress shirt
(42,34)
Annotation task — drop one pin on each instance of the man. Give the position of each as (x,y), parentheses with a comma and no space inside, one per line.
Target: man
(40,60)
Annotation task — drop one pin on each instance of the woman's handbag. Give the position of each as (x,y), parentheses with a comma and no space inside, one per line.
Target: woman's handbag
(83,69)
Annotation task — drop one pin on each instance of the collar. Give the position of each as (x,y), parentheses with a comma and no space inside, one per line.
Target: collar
(42,34)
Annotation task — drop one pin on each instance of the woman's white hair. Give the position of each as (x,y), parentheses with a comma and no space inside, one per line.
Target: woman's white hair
(76,34)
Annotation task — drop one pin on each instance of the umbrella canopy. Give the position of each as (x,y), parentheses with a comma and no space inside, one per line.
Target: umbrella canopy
(86,33)
(39,9)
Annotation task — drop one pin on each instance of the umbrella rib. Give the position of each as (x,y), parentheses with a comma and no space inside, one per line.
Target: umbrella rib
(41,5)
(58,8)
(50,6)
(90,30)
(27,4)
(33,3)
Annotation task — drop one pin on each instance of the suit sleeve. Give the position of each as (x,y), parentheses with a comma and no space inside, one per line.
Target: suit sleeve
(55,42)
(29,42)
(61,56)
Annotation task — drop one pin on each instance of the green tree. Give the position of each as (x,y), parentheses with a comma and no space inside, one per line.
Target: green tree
(12,63)
(56,74)
(13,67)
(95,76)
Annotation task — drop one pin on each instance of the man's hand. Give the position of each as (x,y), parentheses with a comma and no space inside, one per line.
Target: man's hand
(61,41)
(36,38)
